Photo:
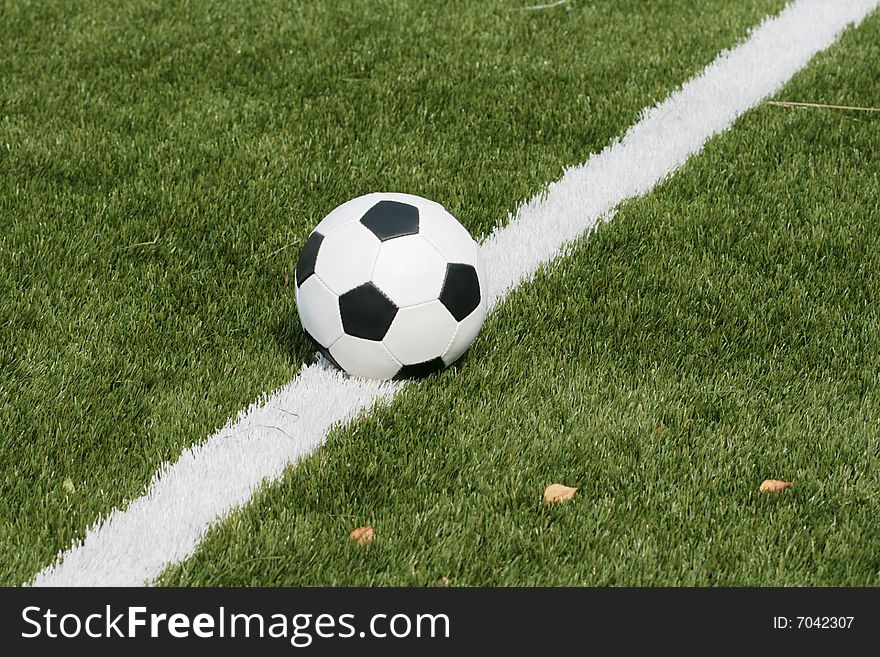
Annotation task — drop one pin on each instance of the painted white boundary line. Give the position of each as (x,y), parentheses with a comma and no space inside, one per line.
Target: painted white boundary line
(132,546)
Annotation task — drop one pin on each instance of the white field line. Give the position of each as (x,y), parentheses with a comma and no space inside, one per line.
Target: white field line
(132,546)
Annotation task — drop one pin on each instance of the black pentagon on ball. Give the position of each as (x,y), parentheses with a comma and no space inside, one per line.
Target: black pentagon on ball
(390,219)
(366,312)
(461,290)
(305,266)
(420,370)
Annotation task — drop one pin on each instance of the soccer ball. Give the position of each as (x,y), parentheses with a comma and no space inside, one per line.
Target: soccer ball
(391,286)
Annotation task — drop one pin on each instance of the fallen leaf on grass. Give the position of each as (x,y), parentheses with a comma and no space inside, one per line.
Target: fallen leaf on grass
(68,485)
(362,535)
(558,493)
(773,485)
(286,280)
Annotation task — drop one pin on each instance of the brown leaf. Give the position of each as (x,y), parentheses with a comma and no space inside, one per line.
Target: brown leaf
(286,280)
(773,485)
(363,535)
(444,581)
(558,493)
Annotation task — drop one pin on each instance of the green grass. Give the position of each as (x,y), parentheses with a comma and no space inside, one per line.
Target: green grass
(718,332)
(162,163)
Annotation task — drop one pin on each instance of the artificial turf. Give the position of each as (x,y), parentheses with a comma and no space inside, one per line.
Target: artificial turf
(161,165)
(718,332)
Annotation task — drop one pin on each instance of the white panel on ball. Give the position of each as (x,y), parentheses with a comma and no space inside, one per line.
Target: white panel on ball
(346,257)
(365,358)
(318,309)
(420,333)
(409,270)
(465,333)
(347,213)
(449,237)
